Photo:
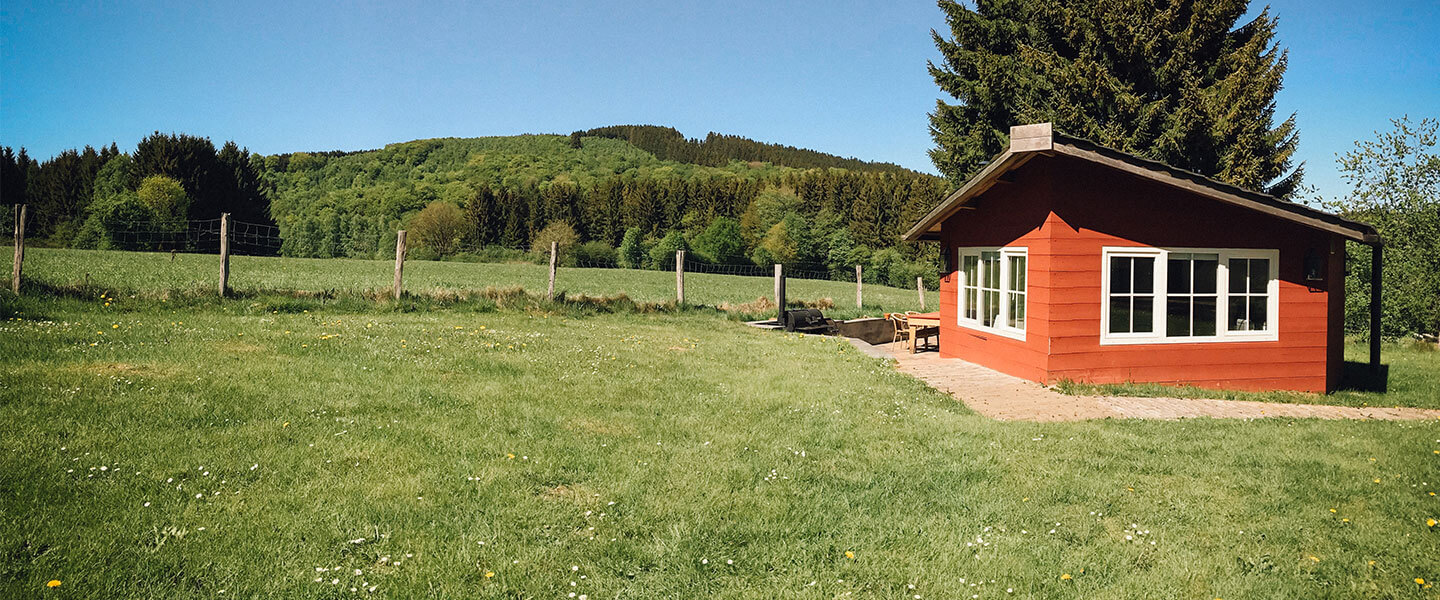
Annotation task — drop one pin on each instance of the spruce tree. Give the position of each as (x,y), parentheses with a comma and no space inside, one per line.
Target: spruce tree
(1176,81)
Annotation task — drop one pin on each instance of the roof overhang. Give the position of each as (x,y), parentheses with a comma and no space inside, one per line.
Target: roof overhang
(1029,141)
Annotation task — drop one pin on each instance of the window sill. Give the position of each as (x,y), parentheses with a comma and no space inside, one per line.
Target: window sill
(1230,339)
(1014,334)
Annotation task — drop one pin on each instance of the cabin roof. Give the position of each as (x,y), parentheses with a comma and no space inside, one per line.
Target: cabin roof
(1029,141)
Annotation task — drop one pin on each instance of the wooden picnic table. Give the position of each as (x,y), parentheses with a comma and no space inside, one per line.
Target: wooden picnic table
(921,325)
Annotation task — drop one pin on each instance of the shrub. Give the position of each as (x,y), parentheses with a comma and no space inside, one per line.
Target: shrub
(594,254)
(662,256)
(721,242)
(631,254)
(439,227)
(559,232)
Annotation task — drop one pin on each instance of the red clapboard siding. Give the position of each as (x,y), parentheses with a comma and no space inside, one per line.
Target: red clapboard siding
(1065,211)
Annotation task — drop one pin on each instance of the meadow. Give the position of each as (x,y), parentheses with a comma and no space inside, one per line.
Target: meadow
(285,445)
(155,274)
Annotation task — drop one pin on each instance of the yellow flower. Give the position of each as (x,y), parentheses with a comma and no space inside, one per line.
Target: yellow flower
(849,554)
(489,574)
(1344,520)
(53,583)
(510,456)
(1065,576)
(1025,499)
(1430,522)
(115,326)
(1332,510)
(1418,581)
(1313,558)
(1377,480)
(286,424)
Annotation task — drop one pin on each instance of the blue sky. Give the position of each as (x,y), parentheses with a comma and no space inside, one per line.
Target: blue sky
(842,77)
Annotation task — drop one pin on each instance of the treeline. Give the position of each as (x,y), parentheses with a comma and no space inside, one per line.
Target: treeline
(92,199)
(718,150)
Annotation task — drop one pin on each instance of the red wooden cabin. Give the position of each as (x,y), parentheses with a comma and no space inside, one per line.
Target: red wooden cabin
(1068,260)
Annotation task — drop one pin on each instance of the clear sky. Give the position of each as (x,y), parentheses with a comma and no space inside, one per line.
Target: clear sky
(842,77)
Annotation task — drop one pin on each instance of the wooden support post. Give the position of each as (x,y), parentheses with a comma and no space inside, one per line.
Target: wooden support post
(224,254)
(399,259)
(780,294)
(1376,264)
(920,290)
(680,276)
(554,253)
(859,282)
(19,247)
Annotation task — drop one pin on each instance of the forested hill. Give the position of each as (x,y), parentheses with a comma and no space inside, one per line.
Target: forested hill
(718,150)
(730,199)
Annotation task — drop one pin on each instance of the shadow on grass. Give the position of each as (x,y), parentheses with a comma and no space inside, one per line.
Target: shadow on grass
(1356,377)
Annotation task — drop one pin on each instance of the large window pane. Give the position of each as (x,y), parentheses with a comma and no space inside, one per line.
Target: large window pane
(1119,314)
(1206,269)
(1144,269)
(991,306)
(1237,314)
(1120,274)
(1204,319)
(1239,267)
(1144,314)
(971,300)
(1258,308)
(1259,275)
(1017,273)
(972,272)
(1179,274)
(1177,316)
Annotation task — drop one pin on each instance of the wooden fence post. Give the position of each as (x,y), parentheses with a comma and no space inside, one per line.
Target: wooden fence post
(920,289)
(1377,263)
(780,293)
(859,277)
(224,254)
(19,247)
(680,276)
(399,259)
(554,250)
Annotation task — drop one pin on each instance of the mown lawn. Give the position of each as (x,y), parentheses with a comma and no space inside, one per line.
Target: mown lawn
(155,451)
(153,274)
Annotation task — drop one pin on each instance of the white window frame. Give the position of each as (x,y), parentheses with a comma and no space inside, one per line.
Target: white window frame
(1162,281)
(1001,327)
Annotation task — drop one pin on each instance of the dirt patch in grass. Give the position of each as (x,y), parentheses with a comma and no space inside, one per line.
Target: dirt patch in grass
(577,493)
(118,369)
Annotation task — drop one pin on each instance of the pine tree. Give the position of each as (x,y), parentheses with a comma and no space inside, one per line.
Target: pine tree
(1174,81)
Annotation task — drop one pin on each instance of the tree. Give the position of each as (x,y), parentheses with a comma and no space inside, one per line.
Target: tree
(440,226)
(1178,82)
(1395,182)
(662,256)
(165,199)
(559,232)
(721,242)
(631,254)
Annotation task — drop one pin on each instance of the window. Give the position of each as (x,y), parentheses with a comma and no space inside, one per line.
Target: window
(993,290)
(1249,294)
(1132,294)
(1156,295)
(1191,294)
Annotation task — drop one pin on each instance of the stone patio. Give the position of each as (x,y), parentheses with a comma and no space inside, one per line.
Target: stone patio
(1000,396)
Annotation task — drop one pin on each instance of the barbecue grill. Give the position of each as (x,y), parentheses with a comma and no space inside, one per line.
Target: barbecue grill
(807,320)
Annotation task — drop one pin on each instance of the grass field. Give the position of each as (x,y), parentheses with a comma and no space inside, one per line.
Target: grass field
(307,450)
(152,274)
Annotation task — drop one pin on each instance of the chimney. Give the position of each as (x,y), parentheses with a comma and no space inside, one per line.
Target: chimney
(1031,138)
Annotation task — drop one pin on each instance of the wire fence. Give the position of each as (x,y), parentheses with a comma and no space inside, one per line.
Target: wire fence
(226,237)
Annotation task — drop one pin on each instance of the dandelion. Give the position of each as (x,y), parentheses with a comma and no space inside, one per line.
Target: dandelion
(489,574)
(53,583)
(1430,522)
(1065,577)
(1418,581)
(849,555)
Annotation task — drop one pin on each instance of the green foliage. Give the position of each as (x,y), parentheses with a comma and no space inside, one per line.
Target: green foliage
(1177,82)
(718,150)
(721,242)
(632,252)
(440,226)
(1395,182)
(662,254)
(595,254)
(562,234)
(164,198)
